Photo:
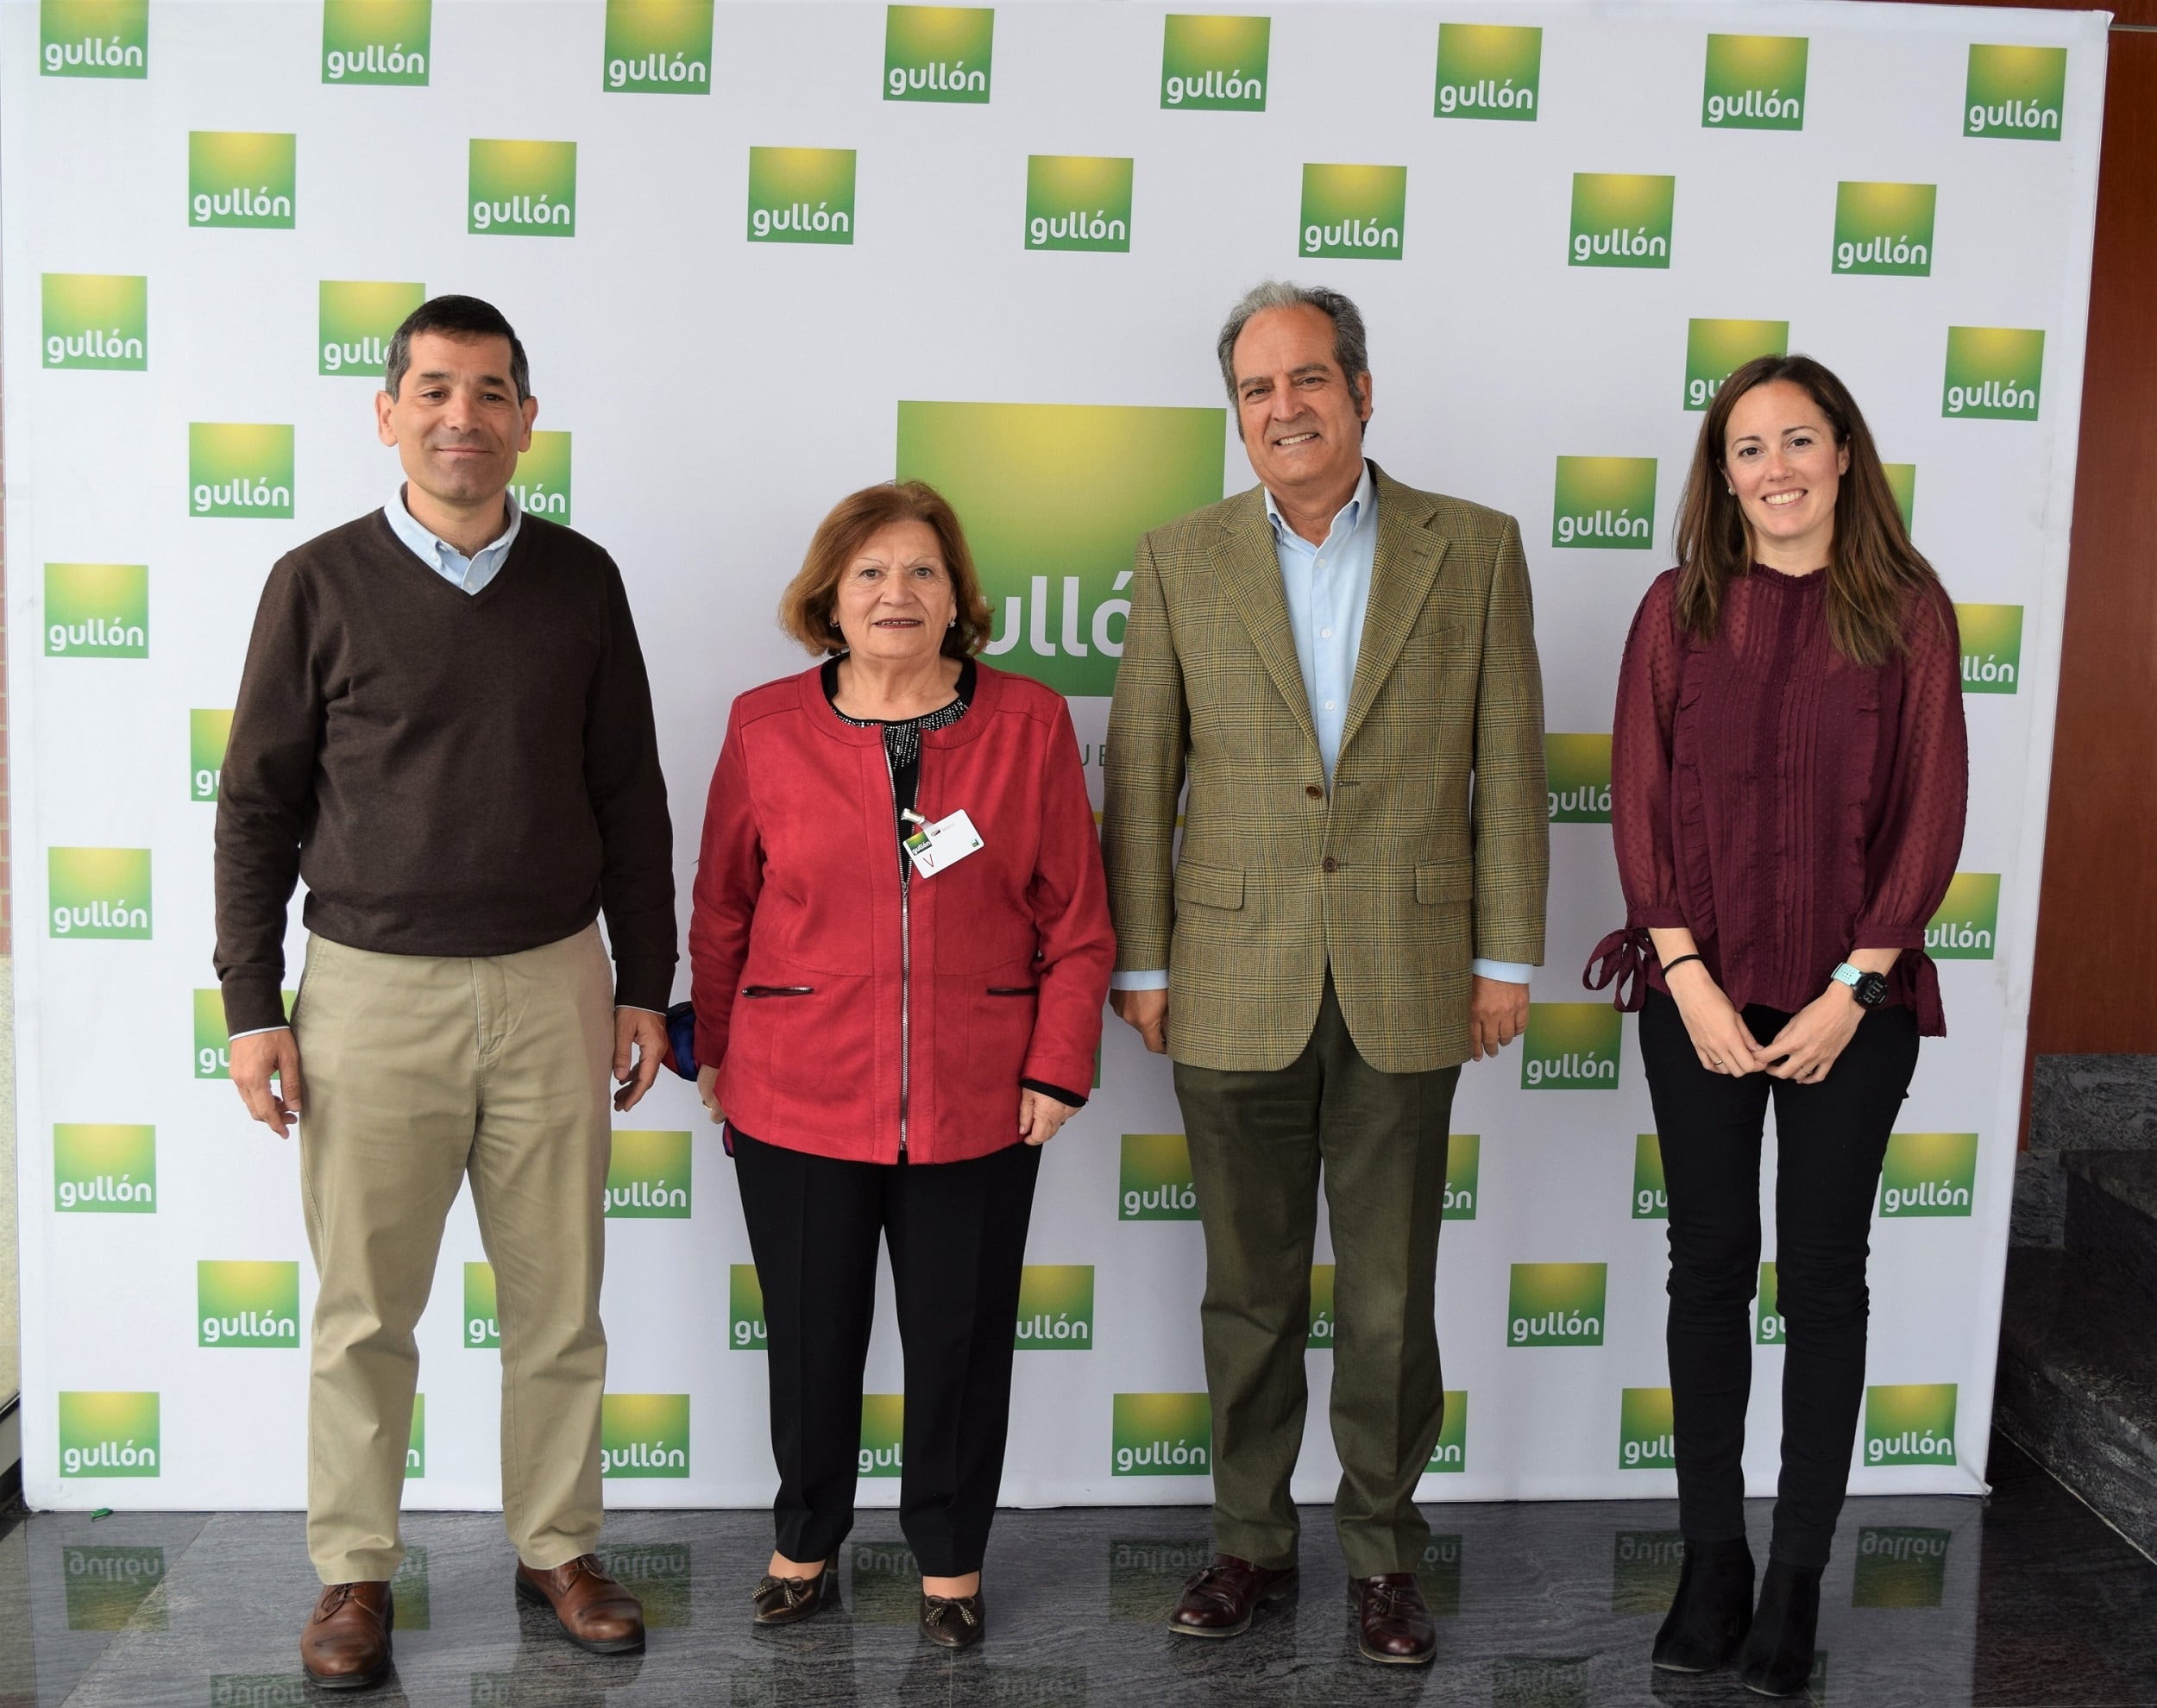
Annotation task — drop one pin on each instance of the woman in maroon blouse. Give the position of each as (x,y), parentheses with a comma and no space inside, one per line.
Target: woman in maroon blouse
(1788,770)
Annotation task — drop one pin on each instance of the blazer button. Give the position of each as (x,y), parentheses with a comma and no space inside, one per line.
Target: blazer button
(1330,862)
(1314,791)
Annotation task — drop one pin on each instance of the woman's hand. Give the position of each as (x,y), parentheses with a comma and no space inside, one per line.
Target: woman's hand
(708,1092)
(1717,1029)
(1806,1049)
(1041,1115)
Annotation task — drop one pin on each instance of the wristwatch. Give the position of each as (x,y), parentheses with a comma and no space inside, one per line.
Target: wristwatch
(1870,989)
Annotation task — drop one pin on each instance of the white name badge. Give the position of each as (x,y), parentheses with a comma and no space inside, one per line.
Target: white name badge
(947,842)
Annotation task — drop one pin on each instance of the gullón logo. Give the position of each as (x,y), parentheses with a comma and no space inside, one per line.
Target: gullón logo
(644,1435)
(99,892)
(357,320)
(1160,1435)
(107,1435)
(97,611)
(1450,1451)
(1913,1424)
(1928,1174)
(1621,219)
(648,1176)
(1900,1566)
(1604,502)
(1967,925)
(1211,63)
(213,1045)
(937,52)
(246,1304)
(541,483)
(1767,1312)
(1645,1566)
(1055,498)
(1885,230)
(883,1435)
(107,1588)
(93,37)
(1902,478)
(1577,768)
(1489,71)
(2015,92)
(1716,348)
(1438,1575)
(239,469)
(1994,373)
(1754,83)
(745,1328)
(659,1574)
(519,189)
(377,42)
(1320,1335)
(1055,1308)
(658,47)
(1463,1172)
(1555,1304)
(242,178)
(1154,1179)
(1651,1196)
(1078,201)
(209,733)
(1646,1436)
(482,1320)
(1354,212)
(416,1440)
(1570,1046)
(109,1170)
(801,195)
(96,321)
(1991,647)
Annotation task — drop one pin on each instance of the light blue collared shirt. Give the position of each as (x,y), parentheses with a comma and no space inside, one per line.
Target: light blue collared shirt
(471,573)
(1329,587)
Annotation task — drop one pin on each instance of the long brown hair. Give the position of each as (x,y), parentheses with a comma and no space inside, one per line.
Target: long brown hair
(806,607)
(1873,571)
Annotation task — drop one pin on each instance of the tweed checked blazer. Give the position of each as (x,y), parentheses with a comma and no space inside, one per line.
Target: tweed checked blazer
(1433,845)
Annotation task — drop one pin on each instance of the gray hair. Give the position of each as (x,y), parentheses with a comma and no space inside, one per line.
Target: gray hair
(1350,350)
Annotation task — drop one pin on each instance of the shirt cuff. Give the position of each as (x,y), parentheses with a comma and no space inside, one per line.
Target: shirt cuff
(1506,972)
(1074,1099)
(254,1032)
(1139,981)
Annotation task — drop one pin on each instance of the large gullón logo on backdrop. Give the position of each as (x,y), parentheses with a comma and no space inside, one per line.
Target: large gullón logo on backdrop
(1967,925)
(521,189)
(2015,92)
(1910,1424)
(1450,1451)
(356,320)
(1716,348)
(938,53)
(648,1176)
(1055,498)
(243,178)
(1488,71)
(95,321)
(1991,647)
(1604,502)
(1754,83)
(209,733)
(883,1451)
(416,1439)
(246,1304)
(239,469)
(1928,1174)
(377,42)
(1994,373)
(1055,1308)
(1154,1179)
(745,1328)
(105,1169)
(1160,1435)
(97,611)
(801,195)
(1078,201)
(1463,1172)
(644,1435)
(1570,1046)
(1902,478)
(108,1434)
(482,1317)
(1767,1310)
(1318,1337)
(658,48)
(1577,769)
(99,892)
(1646,1436)
(93,37)
(1353,212)
(1212,63)
(1621,219)
(1885,230)
(1555,1304)
(1650,1193)
(542,482)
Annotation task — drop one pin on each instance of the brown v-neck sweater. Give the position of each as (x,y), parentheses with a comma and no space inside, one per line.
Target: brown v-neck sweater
(451,773)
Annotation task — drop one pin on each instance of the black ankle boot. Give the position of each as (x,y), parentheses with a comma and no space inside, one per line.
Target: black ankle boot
(1778,1655)
(1713,1610)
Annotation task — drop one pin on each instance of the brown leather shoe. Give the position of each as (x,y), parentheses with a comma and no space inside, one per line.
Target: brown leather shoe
(955,1621)
(787,1601)
(596,1612)
(1218,1602)
(1394,1621)
(346,1643)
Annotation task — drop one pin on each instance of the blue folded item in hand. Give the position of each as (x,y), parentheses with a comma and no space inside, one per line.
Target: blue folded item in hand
(681,1040)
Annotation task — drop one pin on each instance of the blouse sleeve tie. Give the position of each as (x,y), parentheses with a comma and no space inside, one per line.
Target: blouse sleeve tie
(1932,1019)
(1621,958)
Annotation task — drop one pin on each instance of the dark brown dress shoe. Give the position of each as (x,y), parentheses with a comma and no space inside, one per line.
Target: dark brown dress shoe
(595,1612)
(787,1601)
(346,1643)
(955,1620)
(1394,1621)
(1219,1601)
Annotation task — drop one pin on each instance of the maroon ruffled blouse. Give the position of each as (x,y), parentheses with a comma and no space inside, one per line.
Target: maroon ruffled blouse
(1780,802)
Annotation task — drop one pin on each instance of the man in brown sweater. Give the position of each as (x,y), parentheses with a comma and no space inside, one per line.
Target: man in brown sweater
(445,728)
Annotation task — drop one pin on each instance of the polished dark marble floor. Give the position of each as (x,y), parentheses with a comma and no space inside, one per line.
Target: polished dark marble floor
(2023,1599)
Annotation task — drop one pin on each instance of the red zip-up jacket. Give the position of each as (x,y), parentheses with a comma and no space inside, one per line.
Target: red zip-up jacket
(846,1016)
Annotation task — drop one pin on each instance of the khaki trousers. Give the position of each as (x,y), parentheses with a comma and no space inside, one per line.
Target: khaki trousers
(419,1071)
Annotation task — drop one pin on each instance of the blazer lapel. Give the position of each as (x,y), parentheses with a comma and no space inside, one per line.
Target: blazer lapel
(1250,570)
(1405,566)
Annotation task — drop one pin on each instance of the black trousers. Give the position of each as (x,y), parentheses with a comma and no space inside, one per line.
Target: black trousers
(957,1232)
(1831,1137)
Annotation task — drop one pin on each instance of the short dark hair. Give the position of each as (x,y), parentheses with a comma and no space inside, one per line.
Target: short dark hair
(455,318)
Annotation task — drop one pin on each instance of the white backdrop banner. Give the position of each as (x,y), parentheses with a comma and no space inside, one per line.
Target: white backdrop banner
(764,254)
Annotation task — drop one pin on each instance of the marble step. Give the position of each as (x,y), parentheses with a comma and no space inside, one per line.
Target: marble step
(2112,1213)
(2078,1383)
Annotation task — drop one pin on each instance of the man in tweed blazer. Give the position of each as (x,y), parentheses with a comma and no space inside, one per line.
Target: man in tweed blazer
(1341,669)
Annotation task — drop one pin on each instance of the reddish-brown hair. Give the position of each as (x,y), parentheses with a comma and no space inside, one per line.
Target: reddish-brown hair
(806,607)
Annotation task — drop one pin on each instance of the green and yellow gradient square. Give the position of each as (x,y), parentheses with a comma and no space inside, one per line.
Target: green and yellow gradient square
(1994,373)
(745,1328)
(1354,212)
(1055,1308)
(1644,1569)
(659,1574)
(648,1176)
(1928,1174)
(105,1169)
(2015,92)
(518,188)
(1604,503)
(1647,1439)
(482,1325)
(644,1435)
(943,53)
(801,195)
(1489,72)
(883,1435)
(1884,230)
(1154,1179)
(1767,1311)
(1913,1423)
(1319,1337)
(658,48)
(1578,770)
(1900,1566)
(209,733)
(246,1304)
(109,1589)
(242,180)
(356,320)
(99,893)
(1902,478)
(1449,1452)
(1991,647)
(213,1043)
(1160,1435)
(1714,349)
(97,611)
(416,1439)
(1754,83)
(1078,201)
(1650,1193)
(542,483)
(1555,1304)
(108,1434)
(96,322)
(1621,219)
(93,37)
(1967,925)
(377,42)
(1571,1046)
(1213,63)
(237,468)
(1463,1172)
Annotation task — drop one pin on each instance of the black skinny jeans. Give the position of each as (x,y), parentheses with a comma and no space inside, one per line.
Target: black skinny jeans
(1831,1137)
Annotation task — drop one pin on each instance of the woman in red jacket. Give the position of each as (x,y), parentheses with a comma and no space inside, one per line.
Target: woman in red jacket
(1787,776)
(900,947)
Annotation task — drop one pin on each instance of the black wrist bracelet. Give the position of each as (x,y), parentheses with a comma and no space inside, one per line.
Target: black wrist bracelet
(1680,962)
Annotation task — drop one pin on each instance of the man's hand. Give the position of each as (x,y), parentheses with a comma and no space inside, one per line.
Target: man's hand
(259,1058)
(646,1034)
(1497,1014)
(1146,1013)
